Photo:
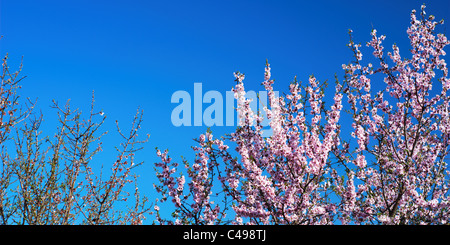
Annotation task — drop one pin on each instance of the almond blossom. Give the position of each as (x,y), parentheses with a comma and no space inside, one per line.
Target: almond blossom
(402,133)
(390,168)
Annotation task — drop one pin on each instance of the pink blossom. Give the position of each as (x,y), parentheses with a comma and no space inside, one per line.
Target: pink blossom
(392,170)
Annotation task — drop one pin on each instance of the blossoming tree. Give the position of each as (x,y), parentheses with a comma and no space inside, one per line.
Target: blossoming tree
(308,171)
(402,132)
(389,166)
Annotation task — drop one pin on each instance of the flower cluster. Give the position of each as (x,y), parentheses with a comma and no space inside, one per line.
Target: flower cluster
(282,175)
(196,207)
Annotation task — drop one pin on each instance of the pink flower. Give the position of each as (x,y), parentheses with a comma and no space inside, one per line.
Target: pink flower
(361,161)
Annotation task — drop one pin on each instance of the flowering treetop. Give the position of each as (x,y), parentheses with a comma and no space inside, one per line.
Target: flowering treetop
(308,172)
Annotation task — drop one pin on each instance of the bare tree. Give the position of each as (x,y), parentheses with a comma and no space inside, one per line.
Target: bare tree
(52,180)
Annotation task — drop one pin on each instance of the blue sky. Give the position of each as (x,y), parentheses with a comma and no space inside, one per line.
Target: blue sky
(136,54)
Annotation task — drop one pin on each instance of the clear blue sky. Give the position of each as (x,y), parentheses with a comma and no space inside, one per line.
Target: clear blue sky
(138,53)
